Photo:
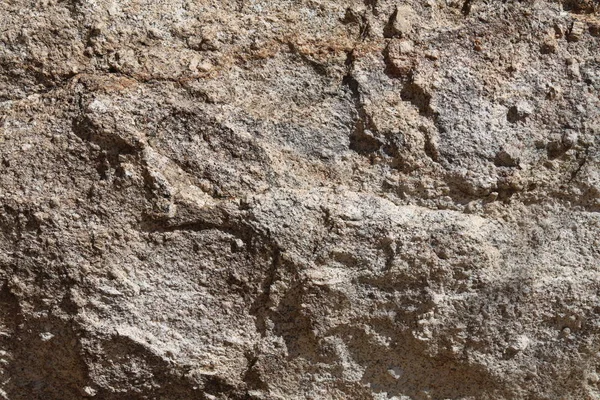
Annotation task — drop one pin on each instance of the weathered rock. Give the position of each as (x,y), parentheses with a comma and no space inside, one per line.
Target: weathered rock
(299,200)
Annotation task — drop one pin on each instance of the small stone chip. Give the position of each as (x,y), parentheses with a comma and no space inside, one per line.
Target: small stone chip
(519,344)
(507,157)
(89,391)
(396,372)
(519,111)
(401,21)
(576,31)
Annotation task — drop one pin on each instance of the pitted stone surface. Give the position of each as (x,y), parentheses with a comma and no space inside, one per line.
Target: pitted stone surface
(299,199)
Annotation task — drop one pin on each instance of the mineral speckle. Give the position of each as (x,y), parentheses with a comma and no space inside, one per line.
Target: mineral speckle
(299,200)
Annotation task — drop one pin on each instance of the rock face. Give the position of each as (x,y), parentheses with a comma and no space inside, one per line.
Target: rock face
(306,199)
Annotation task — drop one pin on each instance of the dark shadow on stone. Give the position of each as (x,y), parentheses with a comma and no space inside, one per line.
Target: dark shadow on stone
(418,97)
(46,361)
(513,115)
(581,6)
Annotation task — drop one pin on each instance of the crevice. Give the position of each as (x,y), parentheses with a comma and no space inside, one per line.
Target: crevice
(260,306)
(581,163)
(365,28)
(352,17)
(389,31)
(240,230)
(466,7)
(362,138)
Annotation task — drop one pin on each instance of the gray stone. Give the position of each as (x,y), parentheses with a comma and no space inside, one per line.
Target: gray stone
(299,200)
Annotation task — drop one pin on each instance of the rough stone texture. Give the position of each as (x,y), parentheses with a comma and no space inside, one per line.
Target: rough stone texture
(309,199)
